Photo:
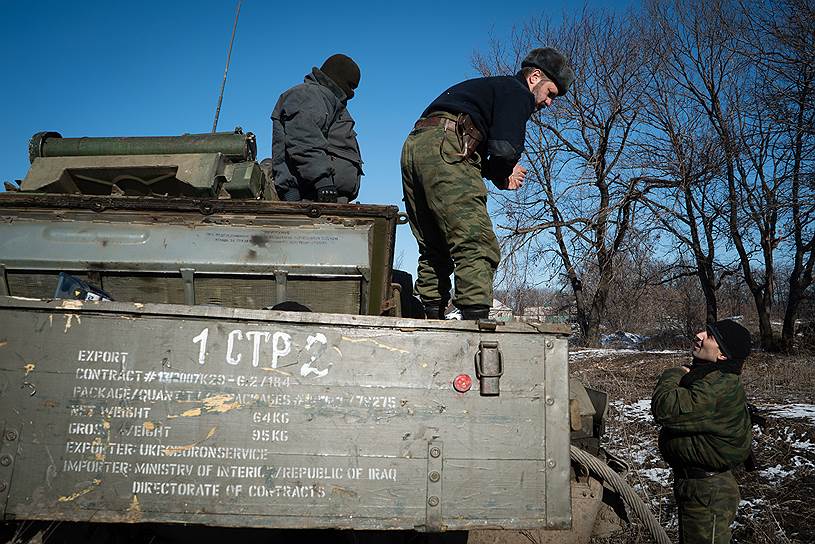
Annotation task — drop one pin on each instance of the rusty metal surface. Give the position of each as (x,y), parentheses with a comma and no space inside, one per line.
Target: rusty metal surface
(139,413)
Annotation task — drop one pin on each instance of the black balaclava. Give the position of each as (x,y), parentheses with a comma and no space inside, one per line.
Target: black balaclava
(343,71)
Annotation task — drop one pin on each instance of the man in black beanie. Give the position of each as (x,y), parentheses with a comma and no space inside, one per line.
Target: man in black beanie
(706,431)
(473,130)
(315,154)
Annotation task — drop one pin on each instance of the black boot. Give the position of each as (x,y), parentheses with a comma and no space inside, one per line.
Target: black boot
(475,312)
(435,309)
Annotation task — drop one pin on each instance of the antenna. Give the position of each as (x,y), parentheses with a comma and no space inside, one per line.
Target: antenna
(228,56)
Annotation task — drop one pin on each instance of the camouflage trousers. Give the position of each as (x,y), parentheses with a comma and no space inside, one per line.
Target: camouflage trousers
(446,203)
(707,507)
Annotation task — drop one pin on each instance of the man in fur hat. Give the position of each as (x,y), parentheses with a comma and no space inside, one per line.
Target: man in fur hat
(706,431)
(315,154)
(473,130)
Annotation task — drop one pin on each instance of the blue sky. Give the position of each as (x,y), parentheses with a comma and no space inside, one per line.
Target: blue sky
(155,68)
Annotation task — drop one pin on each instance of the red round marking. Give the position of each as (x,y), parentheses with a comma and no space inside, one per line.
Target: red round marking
(462,383)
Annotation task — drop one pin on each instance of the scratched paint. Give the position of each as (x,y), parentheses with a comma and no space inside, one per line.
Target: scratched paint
(98,440)
(343,491)
(76,494)
(172,450)
(217,404)
(275,370)
(134,512)
(374,342)
(68,320)
(71,304)
(29,368)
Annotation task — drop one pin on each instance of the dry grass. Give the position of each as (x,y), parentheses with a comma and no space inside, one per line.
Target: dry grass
(778,507)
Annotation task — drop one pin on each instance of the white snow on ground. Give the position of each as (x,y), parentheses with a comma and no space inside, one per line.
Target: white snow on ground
(751,503)
(639,411)
(661,476)
(776,473)
(621,339)
(795,411)
(593,353)
(803,445)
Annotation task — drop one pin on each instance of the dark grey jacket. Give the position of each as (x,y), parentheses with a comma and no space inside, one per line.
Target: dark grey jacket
(313,141)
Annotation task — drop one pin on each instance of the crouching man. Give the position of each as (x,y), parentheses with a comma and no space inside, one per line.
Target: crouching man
(706,431)
(315,154)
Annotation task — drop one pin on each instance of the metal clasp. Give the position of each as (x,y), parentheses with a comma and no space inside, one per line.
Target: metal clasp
(489,367)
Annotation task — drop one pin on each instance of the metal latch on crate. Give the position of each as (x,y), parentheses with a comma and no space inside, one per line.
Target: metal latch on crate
(489,367)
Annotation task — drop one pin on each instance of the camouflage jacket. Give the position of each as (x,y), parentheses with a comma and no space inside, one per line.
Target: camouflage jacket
(705,425)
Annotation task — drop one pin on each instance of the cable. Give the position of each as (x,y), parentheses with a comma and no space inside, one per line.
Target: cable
(599,468)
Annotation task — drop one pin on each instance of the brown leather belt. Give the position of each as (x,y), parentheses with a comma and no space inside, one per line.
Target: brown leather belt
(462,126)
(436,120)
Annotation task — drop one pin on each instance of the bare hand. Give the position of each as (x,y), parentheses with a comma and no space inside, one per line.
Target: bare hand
(516,179)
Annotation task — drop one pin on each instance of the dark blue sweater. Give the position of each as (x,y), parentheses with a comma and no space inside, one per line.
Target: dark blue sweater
(500,107)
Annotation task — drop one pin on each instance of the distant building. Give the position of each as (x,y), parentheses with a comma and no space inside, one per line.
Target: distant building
(500,311)
(538,312)
(546,314)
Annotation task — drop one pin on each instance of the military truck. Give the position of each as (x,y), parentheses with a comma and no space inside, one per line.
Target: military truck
(165,385)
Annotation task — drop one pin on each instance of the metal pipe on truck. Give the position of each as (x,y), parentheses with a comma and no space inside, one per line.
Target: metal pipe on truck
(233,145)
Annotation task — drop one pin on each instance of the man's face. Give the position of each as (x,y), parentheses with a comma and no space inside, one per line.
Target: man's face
(543,89)
(706,348)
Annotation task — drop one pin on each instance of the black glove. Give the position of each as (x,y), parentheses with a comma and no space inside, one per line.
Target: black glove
(327,194)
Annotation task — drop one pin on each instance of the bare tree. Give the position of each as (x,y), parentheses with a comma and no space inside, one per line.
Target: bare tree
(582,189)
(701,51)
(685,196)
(779,39)
(693,119)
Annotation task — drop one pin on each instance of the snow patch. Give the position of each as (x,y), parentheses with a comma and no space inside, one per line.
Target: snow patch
(591,353)
(638,411)
(794,411)
(805,445)
(662,476)
(621,339)
(751,503)
(776,473)
(596,353)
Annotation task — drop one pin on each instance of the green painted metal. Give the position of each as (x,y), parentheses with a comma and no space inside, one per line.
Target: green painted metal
(235,146)
(222,416)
